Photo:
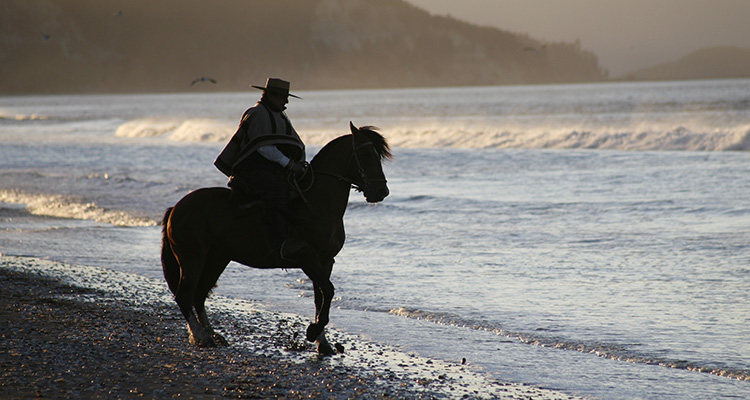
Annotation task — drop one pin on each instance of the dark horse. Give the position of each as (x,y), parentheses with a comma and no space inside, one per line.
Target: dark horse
(204,231)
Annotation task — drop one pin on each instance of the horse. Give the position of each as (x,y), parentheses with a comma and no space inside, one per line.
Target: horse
(205,230)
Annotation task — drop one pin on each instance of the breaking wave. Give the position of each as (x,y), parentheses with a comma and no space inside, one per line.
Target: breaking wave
(24,117)
(675,138)
(65,207)
(190,130)
(611,351)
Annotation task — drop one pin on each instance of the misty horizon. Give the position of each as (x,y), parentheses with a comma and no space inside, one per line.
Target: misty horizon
(625,36)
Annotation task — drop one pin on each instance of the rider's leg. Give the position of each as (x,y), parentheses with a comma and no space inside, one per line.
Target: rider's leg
(277,219)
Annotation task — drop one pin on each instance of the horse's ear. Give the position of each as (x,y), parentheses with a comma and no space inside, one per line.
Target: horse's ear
(353,128)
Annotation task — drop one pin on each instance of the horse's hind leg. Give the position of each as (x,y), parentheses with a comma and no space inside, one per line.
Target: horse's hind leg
(213,268)
(185,298)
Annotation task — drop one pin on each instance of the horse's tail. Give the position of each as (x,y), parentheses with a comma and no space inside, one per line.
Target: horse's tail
(169,263)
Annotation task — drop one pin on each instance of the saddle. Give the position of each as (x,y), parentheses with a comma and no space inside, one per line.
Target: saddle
(244,196)
(248,200)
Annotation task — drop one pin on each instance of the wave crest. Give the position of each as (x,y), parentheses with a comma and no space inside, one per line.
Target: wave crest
(190,130)
(634,138)
(24,117)
(145,127)
(203,130)
(637,137)
(64,207)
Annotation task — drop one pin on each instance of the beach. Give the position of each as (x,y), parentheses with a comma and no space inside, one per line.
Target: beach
(84,332)
(587,239)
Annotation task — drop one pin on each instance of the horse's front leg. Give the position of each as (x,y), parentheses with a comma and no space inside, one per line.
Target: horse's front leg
(322,309)
(324,291)
(316,331)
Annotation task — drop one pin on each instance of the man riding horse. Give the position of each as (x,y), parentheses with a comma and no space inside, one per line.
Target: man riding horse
(259,158)
(203,232)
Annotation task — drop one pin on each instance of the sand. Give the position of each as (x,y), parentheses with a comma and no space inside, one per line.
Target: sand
(84,332)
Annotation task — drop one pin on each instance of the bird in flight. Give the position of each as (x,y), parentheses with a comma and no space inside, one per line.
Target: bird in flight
(203,79)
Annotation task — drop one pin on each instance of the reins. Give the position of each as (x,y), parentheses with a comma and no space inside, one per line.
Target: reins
(294,183)
(366,182)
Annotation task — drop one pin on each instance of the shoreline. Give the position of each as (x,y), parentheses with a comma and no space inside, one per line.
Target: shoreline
(86,332)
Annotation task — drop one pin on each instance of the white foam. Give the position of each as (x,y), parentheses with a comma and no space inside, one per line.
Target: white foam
(383,365)
(469,134)
(631,138)
(319,137)
(11,115)
(180,130)
(23,117)
(64,207)
(203,130)
(146,127)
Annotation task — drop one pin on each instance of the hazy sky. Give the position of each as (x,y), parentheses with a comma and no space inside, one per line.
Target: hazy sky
(625,34)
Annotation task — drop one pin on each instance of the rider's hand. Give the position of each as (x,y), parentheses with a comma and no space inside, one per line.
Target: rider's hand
(297,168)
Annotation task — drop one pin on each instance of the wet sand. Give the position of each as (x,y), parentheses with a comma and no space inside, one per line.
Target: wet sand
(84,332)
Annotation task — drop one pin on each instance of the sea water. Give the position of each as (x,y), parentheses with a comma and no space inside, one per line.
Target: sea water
(593,239)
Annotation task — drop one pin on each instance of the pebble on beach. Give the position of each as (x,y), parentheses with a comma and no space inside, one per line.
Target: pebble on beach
(84,332)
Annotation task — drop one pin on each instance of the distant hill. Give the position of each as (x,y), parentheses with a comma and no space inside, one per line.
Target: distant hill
(84,46)
(709,63)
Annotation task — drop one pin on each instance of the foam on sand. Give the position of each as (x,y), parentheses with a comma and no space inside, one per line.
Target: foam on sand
(385,367)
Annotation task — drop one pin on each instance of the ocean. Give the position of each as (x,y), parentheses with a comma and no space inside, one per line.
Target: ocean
(588,238)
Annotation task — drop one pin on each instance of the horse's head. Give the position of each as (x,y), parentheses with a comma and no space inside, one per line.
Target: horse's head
(366,165)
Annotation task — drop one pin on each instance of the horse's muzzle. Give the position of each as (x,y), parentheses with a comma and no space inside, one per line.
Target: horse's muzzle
(377,194)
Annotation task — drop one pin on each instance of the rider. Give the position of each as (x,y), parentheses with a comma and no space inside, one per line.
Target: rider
(261,154)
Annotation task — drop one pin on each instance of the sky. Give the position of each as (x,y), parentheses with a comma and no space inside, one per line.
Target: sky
(626,35)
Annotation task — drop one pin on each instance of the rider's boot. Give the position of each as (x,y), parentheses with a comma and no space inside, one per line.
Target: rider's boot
(290,249)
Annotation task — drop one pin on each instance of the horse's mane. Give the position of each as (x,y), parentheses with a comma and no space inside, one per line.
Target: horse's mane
(381,145)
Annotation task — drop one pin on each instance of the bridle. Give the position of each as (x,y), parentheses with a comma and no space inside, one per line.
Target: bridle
(360,187)
(366,181)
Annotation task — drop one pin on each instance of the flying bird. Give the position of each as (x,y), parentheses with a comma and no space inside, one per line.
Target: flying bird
(203,79)
(45,36)
(535,50)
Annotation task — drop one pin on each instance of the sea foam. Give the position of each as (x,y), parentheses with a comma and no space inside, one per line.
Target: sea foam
(188,130)
(636,137)
(65,207)
(146,127)
(644,139)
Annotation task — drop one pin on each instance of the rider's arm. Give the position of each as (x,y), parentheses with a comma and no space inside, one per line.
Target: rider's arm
(271,153)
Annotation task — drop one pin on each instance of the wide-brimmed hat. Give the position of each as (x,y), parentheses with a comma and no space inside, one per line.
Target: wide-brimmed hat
(278,86)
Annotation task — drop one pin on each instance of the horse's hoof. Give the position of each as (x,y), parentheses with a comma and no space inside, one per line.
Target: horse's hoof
(204,342)
(219,340)
(325,349)
(313,331)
